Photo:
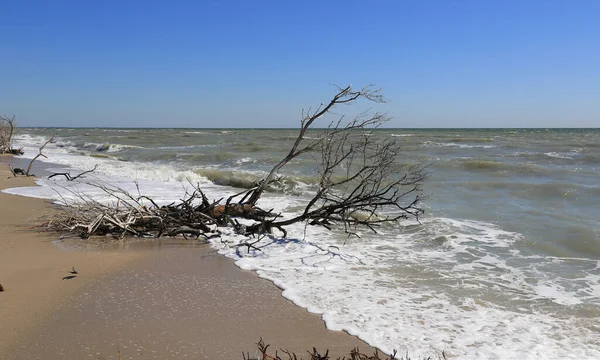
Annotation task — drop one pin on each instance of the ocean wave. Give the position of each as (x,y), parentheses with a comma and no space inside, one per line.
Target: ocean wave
(196,132)
(186,147)
(245,161)
(108,147)
(447,285)
(28,139)
(472,140)
(252,147)
(77,145)
(245,180)
(451,144)
(585,145)
(558,190)
(491,166)
(558,155)
(564,157)
(230,178)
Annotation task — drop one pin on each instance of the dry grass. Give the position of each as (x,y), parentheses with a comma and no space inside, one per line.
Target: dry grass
(314,354)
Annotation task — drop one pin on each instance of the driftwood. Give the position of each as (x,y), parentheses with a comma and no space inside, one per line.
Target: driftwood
(18,171)
(71,178)
(14,151)
(361,184)
(40,153)
(140,216)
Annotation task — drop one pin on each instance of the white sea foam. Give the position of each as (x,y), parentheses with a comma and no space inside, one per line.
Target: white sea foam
(384,291)
(461,286)
(197,146)
(461,146)
(558,155)
(121,147)
(196,132)
(109,166)
(245,160)
(32,143)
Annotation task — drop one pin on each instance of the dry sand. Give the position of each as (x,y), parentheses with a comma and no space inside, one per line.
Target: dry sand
(177,300)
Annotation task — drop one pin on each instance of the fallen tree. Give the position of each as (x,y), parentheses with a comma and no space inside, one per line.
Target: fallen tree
(362,183)
(7,129)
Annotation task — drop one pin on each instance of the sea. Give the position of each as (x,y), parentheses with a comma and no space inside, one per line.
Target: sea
(504,264)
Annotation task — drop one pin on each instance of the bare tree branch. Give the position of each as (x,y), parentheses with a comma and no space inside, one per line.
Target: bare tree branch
(7,128)
(27,172)
(360,177)
(343,96)
(71,178)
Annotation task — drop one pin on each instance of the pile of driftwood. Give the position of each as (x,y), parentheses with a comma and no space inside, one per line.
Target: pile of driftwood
(127,215)
(360,177)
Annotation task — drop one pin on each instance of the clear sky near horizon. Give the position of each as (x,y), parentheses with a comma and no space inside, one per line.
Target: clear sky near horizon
(176,63)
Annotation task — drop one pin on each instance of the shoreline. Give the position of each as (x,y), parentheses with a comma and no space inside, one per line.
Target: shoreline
(46,317)
(32,268)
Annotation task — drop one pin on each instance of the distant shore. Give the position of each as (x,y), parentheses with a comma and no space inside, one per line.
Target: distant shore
(168,300)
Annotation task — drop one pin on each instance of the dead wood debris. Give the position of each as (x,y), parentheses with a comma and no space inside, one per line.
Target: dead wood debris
(193,216)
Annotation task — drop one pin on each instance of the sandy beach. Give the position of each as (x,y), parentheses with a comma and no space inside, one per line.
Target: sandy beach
(32,268)
(145,300)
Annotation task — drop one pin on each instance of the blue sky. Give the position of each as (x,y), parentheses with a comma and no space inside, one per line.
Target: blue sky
(259,63)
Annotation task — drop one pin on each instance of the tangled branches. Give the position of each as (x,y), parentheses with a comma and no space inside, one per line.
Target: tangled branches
(7,128)
(360,177)
(194,215)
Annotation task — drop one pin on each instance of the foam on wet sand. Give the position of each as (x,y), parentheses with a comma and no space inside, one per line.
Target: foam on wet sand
(164,301)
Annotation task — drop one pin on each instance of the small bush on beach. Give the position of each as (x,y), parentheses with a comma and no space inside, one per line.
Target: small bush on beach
(7,129)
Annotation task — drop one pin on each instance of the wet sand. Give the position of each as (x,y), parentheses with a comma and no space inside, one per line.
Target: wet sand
(32,268)
(181,303)
(153,300)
